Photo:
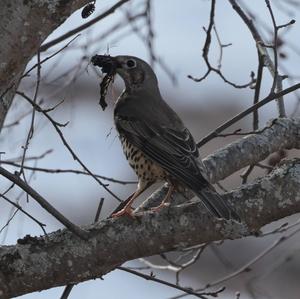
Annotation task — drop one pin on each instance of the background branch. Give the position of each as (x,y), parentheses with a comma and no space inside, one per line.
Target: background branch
(20,43)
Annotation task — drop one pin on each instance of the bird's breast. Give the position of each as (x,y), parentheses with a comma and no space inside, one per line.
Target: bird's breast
(145,168)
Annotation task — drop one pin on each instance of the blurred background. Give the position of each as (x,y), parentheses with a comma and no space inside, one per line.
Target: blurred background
(178,40)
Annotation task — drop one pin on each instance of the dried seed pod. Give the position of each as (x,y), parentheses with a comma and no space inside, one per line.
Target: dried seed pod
(88,10)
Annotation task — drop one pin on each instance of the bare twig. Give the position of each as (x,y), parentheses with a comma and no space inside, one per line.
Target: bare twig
(241,115)
(50,56)
(255,121)
(246,174)
(29,158)
(82,27)
(205,52)
(246,268)
(19,208)
(221,46)
(56,126)
(67,291)
(99,209)
(150,33)
(74,171)
(263,51)
(31,129)
(9,220)
(151,277)
(154,58)
(257,89)
(44,203)
(17,121)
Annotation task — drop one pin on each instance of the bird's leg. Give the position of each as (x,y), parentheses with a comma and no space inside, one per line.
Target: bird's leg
(122,204)
(127,209)
(166,198)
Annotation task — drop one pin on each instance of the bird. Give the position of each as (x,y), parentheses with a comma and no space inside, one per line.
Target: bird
(155,141)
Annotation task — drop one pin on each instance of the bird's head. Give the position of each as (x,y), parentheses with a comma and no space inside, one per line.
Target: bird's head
(135,72)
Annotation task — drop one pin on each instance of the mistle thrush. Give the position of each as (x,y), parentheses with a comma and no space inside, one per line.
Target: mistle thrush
(155,141)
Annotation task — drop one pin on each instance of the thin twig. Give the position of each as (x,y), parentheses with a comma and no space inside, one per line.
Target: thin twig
(74,171)
(246,267)
(246,173)
(23,211)
(82,27)
(29,158)
(261,48)
(31,129)
(150,33)
(67,291)
(50,56)
(205,52)
(99,209)
(44,203)
(153,56)
(16,122)
(56,126)
(152,278)
(277,79)
(9,220)
(241,115)
(221,46)
(255,121)
(257,89)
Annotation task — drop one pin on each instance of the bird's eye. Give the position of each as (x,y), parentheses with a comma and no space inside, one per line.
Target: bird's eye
(130,63)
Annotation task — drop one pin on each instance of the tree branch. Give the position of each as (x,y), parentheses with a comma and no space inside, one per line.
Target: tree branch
(241,115)
(281,133)
(24,26)
(43,202)
(83,27)
(39,263)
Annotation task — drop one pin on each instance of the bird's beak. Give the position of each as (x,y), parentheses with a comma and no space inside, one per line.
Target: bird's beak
(107,63)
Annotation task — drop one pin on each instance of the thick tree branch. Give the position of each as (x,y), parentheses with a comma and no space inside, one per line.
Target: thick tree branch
(281,133)
(37,263)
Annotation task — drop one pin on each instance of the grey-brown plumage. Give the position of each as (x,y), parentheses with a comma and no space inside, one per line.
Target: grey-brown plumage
(155,141)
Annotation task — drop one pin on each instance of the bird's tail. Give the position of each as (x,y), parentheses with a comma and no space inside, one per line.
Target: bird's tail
(216,204)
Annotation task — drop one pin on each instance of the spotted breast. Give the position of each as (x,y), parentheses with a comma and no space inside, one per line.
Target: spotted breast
(145,169)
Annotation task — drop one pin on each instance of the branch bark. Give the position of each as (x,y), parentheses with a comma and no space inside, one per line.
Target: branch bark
(38,263)
(280,133)
(24,26)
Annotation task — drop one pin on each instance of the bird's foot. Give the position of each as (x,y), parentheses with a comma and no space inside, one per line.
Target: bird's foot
(127,211)
(162,205)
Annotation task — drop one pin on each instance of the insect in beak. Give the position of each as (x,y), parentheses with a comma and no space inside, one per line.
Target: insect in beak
(109,66)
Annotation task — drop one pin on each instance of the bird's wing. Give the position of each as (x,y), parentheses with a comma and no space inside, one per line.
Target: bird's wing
(174,149)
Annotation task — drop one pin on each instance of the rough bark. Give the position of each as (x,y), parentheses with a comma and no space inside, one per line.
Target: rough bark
(281,133)
(40,263)
(24,25)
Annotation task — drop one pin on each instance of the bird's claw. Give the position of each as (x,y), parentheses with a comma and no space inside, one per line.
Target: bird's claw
(159,207)
(127,211)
